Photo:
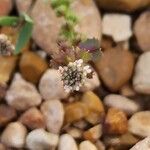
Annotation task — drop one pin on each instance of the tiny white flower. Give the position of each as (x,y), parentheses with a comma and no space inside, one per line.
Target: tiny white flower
(74,75)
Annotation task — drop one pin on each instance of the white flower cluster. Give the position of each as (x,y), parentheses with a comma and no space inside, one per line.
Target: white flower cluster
(74,75)
(6,47)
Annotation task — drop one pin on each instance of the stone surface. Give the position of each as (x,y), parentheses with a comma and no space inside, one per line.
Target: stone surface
(39,139)
(32,118)
(7,113)
(142,145)
(141,80)
(75,111)
(21,95)
(91,84)
(32,66)
(121,142)
(5,7)
(116,122)
(53,112)
(75,132)
(139,124)
(117,26)
(89,24)
(123,5)
(115,67)
(51,86)
(95,106)
(67,142)
(93,134)
(14,135)
(87,145)
(121,102)
(127,90)
(142,32)
(7,67)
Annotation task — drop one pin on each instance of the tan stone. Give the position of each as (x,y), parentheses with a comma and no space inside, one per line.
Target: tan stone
(7,65)
(115,67)
(32,118)
(123,5)
(7,113)
(95,106)
(32,66)
(142,32)
(75,111)
(93,134)
(14,135)
(139,124)
(115,122)
(5,7)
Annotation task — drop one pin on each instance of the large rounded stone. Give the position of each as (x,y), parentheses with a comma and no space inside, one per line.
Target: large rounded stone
(115,68)
(49,25)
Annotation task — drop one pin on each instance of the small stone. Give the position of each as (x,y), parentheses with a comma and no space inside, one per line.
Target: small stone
(124,141)
(141,80)
(7,113)
(21,95)
(127,90)
(95,106)
(82,124)
(67,142)
(5,7)
(87,145)
(116,122)
(142,32)
(142,145)
(14,135)
(118,26)
(32,118)
(123,5)
(75,132)
(7,66)
(51,86)
(121,102)
(93,134)
(32,66)
(75,111)
(115,68)
(91,84)
(100,145)
(39,139)
(139,124)
(53,112)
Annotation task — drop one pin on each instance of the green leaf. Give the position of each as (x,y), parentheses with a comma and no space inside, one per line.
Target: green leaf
(9,21)
(25,33)
(86,56)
